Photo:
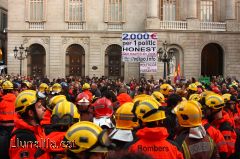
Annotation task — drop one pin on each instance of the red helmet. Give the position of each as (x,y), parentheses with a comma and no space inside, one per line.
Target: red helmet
(82,99)
(216,90)
(103,107)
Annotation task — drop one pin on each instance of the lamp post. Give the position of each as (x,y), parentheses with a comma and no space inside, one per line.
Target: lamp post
(20,54)
(165,55)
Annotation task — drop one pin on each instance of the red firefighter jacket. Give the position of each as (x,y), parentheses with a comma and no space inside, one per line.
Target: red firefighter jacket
(153,141)
(7,108)
(25,145)
(217,137)
(226,127)
(46,118)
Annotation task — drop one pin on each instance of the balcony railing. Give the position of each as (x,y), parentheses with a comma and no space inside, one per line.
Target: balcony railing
(76,26)
(173,25)
(213,26)
(114,27)
(36,25)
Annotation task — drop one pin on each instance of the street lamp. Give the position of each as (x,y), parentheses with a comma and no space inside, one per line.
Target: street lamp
(20,54)
(165,55)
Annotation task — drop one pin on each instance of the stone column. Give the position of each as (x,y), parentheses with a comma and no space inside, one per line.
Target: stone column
(192,20)
(153,6)
(192,9)
(230,9)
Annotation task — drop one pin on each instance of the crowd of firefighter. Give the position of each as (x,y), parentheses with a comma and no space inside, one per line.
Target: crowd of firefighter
(100,118)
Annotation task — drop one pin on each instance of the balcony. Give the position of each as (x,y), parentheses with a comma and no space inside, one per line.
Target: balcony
(36,25)
(173,25)
(191,24)
(213,26)
(115,26)
(76,26)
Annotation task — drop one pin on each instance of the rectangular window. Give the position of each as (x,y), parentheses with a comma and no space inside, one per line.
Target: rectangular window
(76,11)
(238,11)
(3,19)
(36,10)
(168,9)
(114,11)
(206,8)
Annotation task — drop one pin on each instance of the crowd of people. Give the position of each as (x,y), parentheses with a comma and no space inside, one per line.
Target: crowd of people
(101,118)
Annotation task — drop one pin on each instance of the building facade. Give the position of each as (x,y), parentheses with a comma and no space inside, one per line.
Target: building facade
(3,31)
(83,37)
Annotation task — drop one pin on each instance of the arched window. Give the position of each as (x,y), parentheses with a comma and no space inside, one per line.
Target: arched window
(212,60)
(173,64)
(37,60)
(114,67)
(75,60)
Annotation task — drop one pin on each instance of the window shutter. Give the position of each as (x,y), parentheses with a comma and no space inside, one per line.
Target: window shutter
(124,11)
(177,10)
(66,10)
(27,10)
(106,10)
(84,10)
(161,10)
(44,10)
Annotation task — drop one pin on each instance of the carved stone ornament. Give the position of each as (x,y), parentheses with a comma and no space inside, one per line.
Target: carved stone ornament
(25,40)
(85,41)
(105,41)
(45,40)
(65,40)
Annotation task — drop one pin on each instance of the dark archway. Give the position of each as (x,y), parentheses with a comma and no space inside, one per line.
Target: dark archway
(37,61)
(114,67)
(75,61)
(212,60)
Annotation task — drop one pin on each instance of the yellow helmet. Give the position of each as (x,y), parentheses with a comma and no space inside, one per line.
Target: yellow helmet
(65,113)
(25,99)
(148,111)
(184,99)
(43,88)
(28,84)
(140,97)
(206,93)
(188,113)
(87,135)
(214,101)
(55,100)
(198,84)
(124,117)
(226,97)
(7,85)
(86,86)
(192,87)
(165,89)
(158,96)
(229,98)
(195,97)
(56,88)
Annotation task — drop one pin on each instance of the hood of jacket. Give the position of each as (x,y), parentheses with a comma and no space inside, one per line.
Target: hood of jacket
(9,97)
(123,98)
(152,133)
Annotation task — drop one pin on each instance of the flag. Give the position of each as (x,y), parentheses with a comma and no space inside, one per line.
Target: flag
(177,74)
